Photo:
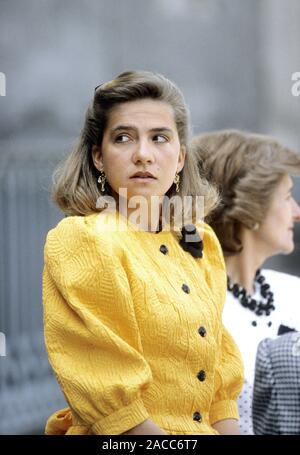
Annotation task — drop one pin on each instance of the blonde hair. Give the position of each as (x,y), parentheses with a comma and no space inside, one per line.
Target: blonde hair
(246,168)
(75,188)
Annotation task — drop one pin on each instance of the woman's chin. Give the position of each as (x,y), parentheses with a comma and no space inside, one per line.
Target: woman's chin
(289,248)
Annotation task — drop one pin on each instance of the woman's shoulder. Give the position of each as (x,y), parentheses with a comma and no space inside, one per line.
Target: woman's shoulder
(284,344)
(286,290)
(281,279)
(211,244)
(74,234)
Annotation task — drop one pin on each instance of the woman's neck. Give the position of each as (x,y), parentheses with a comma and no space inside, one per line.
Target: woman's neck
(144,216)
(241,268)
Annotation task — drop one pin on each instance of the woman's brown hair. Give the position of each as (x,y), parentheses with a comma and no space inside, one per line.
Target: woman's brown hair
(75,188)
(245,168)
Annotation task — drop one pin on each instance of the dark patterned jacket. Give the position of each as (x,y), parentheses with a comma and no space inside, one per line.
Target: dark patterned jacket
(276,399)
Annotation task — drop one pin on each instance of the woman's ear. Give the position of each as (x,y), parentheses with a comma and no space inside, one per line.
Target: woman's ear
(97,157)
(181,158)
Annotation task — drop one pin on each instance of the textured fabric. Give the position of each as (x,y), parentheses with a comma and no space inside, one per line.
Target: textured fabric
(248,330)
(276,397)
(123,337)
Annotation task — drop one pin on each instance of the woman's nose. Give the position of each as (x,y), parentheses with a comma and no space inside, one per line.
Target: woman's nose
(143,152)
(296,211)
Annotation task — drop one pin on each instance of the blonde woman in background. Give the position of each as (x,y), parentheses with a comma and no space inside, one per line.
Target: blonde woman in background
(254,221)
(133,314)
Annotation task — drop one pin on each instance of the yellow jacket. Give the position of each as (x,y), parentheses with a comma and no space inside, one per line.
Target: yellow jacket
(133,331)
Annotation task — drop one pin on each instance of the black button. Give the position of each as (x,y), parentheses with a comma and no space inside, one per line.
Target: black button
(269,323)
(201,375)
(191,241)
(185,288)
(163,249)
(254,323)
(202,331)
(189,229)
(197,416)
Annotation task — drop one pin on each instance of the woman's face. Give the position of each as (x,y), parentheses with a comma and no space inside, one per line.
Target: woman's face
(276,231)
(140,137)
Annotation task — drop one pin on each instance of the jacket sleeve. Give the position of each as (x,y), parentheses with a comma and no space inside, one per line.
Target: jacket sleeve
(228,380)
(91,332)
(264,408)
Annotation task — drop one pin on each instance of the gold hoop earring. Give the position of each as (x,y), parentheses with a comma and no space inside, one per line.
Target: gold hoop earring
(177,181)
(102,181)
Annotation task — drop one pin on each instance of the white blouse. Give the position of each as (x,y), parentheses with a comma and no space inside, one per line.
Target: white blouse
(248,329)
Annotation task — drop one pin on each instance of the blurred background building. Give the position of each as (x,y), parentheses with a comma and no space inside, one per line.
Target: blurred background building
(233,61)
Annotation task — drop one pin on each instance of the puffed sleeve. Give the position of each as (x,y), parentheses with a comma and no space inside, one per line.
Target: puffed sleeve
(264,408)
(228,380)
(91,333)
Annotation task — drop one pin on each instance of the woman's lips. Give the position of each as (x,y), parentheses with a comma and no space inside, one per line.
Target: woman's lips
(143,179)
(143,176)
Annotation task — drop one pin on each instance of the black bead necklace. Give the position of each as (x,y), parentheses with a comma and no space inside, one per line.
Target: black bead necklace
(265,303)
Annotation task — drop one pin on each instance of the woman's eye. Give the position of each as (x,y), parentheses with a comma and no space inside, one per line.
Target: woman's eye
(160,138)
(122,138)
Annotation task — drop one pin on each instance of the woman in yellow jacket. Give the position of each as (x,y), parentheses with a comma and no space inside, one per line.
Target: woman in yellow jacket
(133,297)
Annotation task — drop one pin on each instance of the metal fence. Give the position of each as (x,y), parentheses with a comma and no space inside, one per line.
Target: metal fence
(28,390)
